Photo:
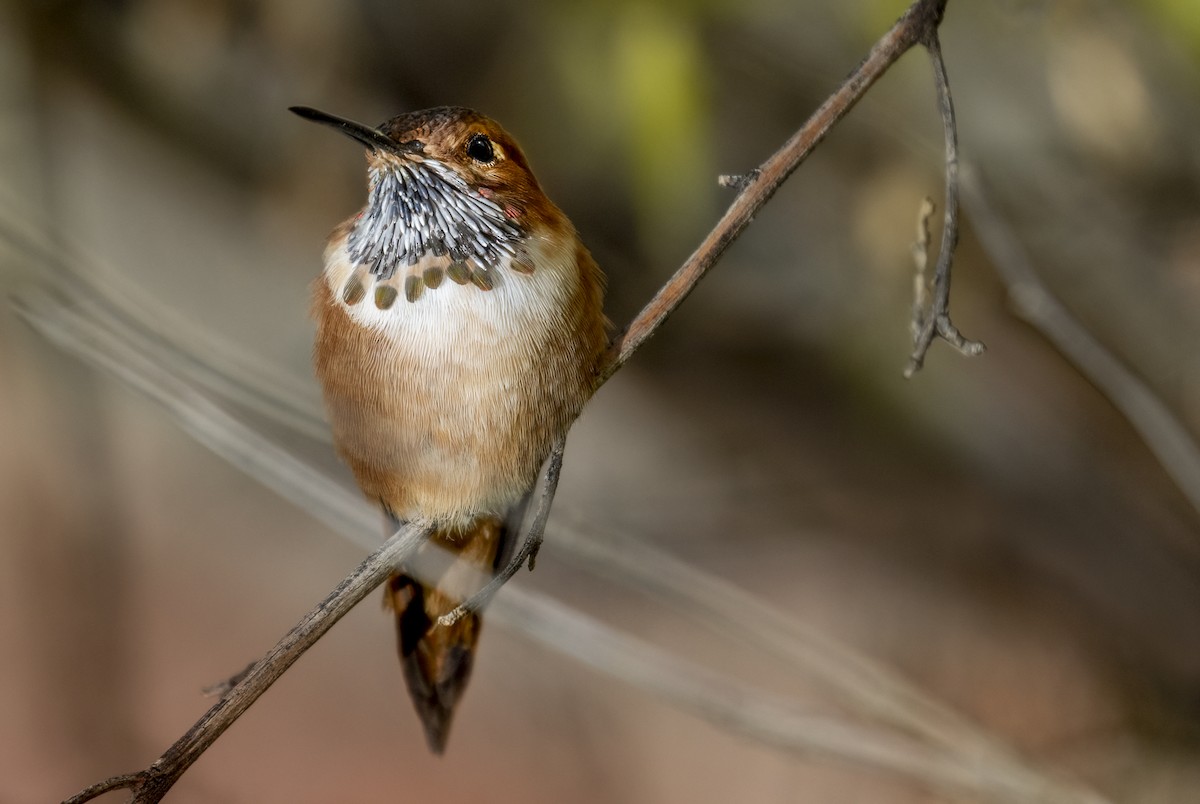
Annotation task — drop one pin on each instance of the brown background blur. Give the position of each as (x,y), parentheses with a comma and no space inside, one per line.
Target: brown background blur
(993,529)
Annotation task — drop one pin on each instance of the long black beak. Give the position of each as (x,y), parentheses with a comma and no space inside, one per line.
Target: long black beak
(373,138)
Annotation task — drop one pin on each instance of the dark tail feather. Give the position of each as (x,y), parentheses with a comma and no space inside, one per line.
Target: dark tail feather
(437,659)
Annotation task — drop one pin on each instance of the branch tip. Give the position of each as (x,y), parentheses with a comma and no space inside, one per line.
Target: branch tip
(125,781)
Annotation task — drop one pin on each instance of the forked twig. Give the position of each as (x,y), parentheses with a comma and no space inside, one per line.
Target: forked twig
(918,26)
(934,322)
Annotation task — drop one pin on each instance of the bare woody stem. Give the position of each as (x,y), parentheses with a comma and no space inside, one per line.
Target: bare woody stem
(154,782)
(935,322)
(918,25)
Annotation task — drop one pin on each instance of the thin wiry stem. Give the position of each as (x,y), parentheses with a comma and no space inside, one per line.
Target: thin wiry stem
(935,322)
(1172,444)
(531,538)
(153,783)
(918,25)
(251,383)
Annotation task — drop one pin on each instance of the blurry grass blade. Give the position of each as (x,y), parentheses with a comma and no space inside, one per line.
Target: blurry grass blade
(1171,443)
(229,371)
(78,330)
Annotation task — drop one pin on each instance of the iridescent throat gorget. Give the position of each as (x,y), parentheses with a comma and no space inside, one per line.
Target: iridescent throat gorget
(419,207)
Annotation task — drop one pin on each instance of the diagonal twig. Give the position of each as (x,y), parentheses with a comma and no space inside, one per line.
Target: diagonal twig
(153,783)
(531,543)
(1172,444)
(918,25)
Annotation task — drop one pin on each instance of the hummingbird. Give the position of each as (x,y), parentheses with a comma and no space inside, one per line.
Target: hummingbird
(459,328)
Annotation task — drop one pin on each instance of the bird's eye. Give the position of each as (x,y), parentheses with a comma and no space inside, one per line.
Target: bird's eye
(479,148)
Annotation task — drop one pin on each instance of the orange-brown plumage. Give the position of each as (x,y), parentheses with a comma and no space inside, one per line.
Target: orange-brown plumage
(456,341)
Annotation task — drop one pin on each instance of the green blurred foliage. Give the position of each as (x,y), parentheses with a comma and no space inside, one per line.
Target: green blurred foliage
(636,77)
(1178,20)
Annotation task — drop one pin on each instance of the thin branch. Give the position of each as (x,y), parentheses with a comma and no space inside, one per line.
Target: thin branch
(1171,443)
(935,322)
(153,783)
(918,25)
(232,372)
(531,543)
(126,781)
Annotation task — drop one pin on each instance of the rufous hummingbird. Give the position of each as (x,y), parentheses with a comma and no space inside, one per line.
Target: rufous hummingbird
(459,329)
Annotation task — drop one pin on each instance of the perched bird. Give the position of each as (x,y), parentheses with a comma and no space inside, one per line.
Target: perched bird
(459,328)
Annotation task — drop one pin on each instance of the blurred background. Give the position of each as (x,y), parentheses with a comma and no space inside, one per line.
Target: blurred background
(992,530)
